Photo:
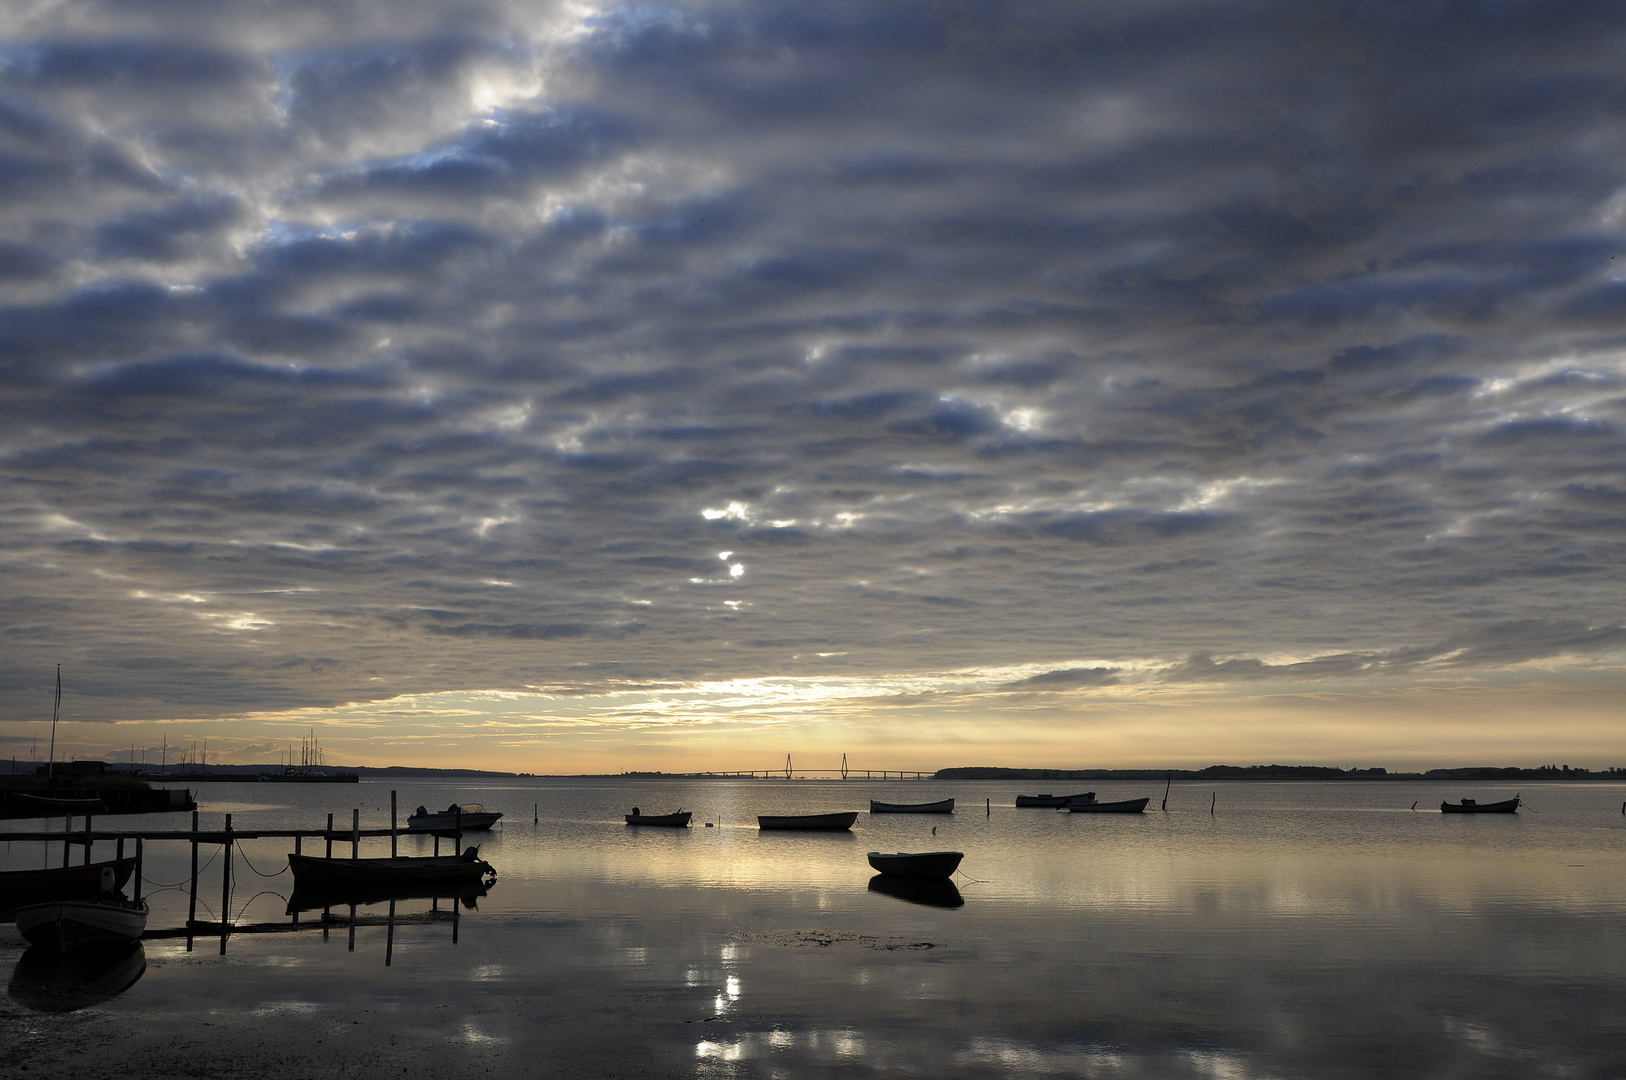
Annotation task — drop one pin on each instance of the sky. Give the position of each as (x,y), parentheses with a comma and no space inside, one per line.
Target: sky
(579,387)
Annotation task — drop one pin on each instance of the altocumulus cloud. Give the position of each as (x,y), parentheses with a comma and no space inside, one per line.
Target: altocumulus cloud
(358,349)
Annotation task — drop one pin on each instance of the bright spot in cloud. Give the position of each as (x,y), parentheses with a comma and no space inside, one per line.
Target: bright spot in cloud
(734,510)
(736,570)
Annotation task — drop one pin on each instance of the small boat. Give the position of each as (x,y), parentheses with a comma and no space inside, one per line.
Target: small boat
(72,924)
(1090,806)
(1468,806)
(942,806)
(22,887)
(52,804)
(318,875)
(934,865)
(678,819)
(932,893)
(820,822)
(1051,800)
(467,816)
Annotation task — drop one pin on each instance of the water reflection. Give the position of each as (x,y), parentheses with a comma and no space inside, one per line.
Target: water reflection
(943,893)
(48,980)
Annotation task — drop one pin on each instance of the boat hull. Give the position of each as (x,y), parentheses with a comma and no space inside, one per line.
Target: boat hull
(77,924)
(326,875)
(925,865)
(809,822)
(443,822)
(19,888)
(679,820)
(1508,806)
(1125,806)
(1051,800)
(942,806)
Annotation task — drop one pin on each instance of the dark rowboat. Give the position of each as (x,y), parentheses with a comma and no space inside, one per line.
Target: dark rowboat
(935,865)
(468,817)
(72,924)
(820,822)
(51,804)
(452,871)
(942,806)
(1090,806)
(1468,806)
(680,819)
(22,887)
(1051,800)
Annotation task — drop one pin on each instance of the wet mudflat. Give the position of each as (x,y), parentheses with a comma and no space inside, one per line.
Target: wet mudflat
(1302,930)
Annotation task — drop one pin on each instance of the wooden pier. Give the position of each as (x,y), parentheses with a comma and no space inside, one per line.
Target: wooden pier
(226,837)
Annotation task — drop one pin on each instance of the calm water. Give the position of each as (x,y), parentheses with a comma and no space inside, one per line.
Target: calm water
(1299,930)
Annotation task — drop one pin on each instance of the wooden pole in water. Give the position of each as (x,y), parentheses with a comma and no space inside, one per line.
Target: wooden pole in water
(225,889)
(987,808)
(1166,786)
(457,831)
(394,825)
(192,908)
(352,928)
(1211,804)
(355,833)
(330,836)
(389,941)
(118,850)
(66,844)
(136,892)
(86,861)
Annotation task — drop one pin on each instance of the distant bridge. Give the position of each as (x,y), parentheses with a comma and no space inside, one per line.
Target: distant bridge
(789,772)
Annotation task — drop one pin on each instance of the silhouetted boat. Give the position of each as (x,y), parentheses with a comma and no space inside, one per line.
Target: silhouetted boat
(51,804)
(939,893)
(1468,806)
(468,817)
(942,806)
(678,819)
(48,980)
(312,874)
(310,897)
(1090,806)
(72,924)
(926,864)
(22,887)
(1051,800)
(820,822)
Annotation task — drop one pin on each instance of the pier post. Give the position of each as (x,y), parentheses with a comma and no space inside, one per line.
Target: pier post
(457,831)
(86,860)
(389,941)
(355,833)
(192,907)
(352,928)
(136,891)
(394,827)
(330,836)
(225,889)
(67,843)
(118,850)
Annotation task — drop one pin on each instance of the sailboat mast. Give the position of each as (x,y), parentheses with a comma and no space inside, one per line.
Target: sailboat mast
(56,711)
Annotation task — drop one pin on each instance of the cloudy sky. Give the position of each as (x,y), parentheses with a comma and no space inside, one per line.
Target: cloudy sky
(585,386)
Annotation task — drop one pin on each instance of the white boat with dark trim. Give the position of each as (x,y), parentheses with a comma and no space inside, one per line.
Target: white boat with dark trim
(72,924)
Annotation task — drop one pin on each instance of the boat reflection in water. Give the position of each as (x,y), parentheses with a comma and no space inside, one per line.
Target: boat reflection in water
(327,897)
(47,980)
(933,893)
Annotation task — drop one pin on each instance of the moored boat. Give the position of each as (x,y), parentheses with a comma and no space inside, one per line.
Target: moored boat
(678,819)
(942,806)
(22,887)
(72,924)
(468,816)
(1469,806)
(933,865)
(1051,800)
(1123,806)
(313,874)
(810,822)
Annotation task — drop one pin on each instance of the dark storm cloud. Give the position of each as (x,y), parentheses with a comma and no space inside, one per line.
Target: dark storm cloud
(484,346)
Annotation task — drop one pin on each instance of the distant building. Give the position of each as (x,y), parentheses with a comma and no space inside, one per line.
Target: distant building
(75,769)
